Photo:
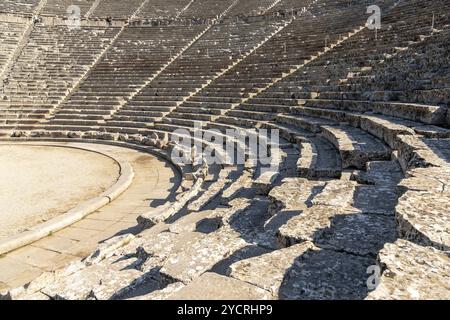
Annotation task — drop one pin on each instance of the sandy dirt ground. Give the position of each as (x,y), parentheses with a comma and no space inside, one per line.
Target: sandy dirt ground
(38,183)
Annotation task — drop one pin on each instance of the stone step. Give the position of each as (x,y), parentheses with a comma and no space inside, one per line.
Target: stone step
(406,276)
(212,286)
(304,122)
(421,218)
(318,159)
(355,146)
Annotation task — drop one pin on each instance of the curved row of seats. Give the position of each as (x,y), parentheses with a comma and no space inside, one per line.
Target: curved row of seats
(363,180)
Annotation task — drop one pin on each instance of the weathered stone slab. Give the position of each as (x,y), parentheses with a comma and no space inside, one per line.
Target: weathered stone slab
(337,193)
(168,210)
(117,284)
(268,270)
(424,218)
(209,194)
(201,255)
(250,221)
(159,249)
(384,128)
(414,153)
(198,221)
(412,272)
(355,146)
(375,199)
(212,286)
(432,179)
(242,184)
(79,285)
(307,226)
(293,194)
(380,173)
(358,234)
(264,183)
(326,275)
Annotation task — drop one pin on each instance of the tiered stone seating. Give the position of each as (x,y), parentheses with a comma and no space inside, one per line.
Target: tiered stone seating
(339,78)
(54,59)
(289,6)
(221,46)
(136,56)
(250,8)
(297,94)
(163,9)
(60,7)
(18,6)
(117,9)
(276,57)
(9,39)
(363,178)
(206,9)
(422,78)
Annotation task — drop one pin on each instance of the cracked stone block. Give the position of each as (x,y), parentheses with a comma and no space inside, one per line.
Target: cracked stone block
(200,256)
(358,234)
(414,153)
(268,270)
(326,275)
(265,182)
(293,194)
(424,218)
(430,179)
(412,272)
(79,285)
(308,226)
(193,221)
(380,173)
(384,128)
(355,146)
(212,286)
(337,193)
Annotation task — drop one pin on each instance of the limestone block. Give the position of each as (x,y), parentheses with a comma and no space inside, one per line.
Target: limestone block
(424,217)
(267,271)
(212,286)
(412,272)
